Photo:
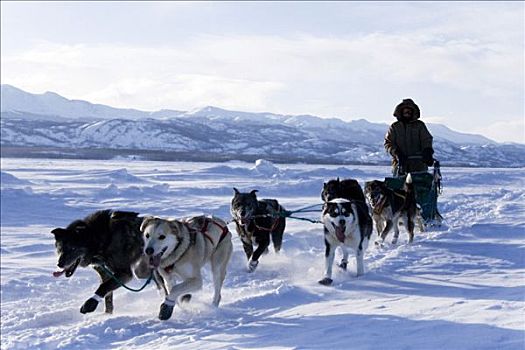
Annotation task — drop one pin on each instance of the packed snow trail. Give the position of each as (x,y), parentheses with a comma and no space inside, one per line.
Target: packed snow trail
(461,287)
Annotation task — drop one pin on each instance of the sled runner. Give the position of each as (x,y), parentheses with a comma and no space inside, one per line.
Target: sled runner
(428,188)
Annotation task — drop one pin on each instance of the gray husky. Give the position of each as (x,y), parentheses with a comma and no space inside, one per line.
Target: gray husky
(106,237)
(178,249)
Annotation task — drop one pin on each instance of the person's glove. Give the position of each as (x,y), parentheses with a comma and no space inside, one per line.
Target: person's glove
(427,156)
(401,158)
(401,162)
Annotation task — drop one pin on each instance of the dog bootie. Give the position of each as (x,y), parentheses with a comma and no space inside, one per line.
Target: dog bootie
(89,306)
(166,310)
(252,265)
(326,281)
(343,264)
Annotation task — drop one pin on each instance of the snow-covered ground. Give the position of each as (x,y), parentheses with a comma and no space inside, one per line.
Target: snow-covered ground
(462,287)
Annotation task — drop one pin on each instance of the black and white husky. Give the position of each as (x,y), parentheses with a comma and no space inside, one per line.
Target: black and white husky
(347,224)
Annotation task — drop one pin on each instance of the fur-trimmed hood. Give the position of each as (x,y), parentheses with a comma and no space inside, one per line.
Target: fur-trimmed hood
(407,103)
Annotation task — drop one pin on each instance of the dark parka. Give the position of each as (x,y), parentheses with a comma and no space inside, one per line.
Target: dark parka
(408,139)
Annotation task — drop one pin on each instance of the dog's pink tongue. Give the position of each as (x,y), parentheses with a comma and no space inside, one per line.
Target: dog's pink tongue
(155,260)
(58,273)
(340,233)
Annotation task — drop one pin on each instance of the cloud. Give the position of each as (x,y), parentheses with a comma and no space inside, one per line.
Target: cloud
(138,77)
(435,120)
(276,61)
(461,64)
(188,91)
(504,131)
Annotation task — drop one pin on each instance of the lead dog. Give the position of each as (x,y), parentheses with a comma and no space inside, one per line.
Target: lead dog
(104,238)
(346,224)
(390,207)
(179,250)
(256,221)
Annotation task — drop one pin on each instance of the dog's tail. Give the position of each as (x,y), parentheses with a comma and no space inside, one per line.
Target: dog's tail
(408,180)
(410,202)
(410,192)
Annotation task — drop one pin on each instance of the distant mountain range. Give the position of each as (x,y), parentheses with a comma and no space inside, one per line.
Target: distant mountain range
(49,125)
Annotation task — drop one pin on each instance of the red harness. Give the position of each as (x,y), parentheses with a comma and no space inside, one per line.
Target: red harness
(204,231)
(274,225)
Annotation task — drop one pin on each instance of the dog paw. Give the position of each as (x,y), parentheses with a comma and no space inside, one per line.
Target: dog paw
(252,265)
(326,281)
(89,306)
(343,264)
(394,241)
(379,243)
(165,311)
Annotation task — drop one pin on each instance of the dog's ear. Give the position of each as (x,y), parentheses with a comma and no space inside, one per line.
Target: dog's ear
(58,232)
(145,221)
(236,191)
(253,193)
(175,227)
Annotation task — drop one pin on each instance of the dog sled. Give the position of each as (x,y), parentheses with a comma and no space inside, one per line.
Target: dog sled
(428,189)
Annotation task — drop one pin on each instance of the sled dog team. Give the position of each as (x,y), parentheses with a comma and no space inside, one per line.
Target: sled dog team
(173,252)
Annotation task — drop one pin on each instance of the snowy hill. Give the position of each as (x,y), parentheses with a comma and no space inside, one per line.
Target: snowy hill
(52,104)
(33,122)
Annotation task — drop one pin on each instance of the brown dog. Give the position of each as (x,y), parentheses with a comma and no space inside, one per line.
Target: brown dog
(390,206)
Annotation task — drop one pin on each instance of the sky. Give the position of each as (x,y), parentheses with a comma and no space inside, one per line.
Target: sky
(461,62)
